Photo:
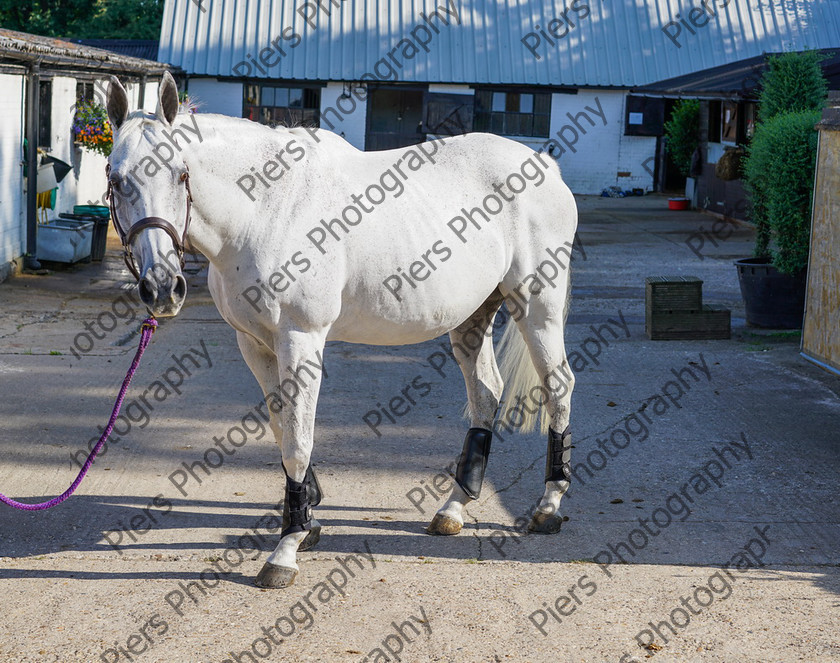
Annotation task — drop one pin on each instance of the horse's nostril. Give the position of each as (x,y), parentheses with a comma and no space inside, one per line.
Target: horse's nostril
(146,291)
(179,292)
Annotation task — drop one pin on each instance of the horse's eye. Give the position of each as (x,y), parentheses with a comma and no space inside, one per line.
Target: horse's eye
(115,182)
(184,176)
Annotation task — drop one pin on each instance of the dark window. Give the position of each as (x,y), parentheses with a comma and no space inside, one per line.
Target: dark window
(287,106)
(729,122)
(513,113)
(747,122)
(45,114)
(448,114)
(714,121)
(85,91)
(644,116)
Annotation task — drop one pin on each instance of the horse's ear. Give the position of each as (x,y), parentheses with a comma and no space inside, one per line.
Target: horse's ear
(117,104)
(167,107)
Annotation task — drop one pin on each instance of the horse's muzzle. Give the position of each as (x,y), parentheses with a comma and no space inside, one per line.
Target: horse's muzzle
(163,293)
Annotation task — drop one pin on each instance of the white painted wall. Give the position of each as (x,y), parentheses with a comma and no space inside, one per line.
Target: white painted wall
(634,156)
(151,98)
(714,153)
(593,149)
(61,139)
(91,183)
(12,202)
(85,184)
(633,153)
(349,118)
(592,158)
(348,115)
(443,88)
(215,96)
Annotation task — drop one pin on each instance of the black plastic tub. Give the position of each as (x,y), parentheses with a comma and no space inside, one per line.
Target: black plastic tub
(100,232)
(773,300)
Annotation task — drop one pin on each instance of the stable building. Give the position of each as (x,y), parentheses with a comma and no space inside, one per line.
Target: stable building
(728,98)
(553,75)
(41,81)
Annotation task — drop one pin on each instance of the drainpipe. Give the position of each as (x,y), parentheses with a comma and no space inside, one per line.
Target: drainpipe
(141,97)
(33,80)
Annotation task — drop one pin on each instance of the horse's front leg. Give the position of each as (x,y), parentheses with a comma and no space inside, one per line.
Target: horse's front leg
(300,359)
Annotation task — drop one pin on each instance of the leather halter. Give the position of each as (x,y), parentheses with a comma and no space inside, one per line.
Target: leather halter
(149,222)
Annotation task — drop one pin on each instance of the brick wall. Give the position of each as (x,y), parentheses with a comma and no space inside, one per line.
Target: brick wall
(588,133)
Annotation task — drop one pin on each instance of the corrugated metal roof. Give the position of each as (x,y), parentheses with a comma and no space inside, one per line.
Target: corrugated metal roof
(612,42)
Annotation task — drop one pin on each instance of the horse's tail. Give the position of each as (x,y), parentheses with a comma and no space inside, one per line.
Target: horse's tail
(518,408)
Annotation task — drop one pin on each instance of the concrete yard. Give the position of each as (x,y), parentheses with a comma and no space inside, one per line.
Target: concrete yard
(153,559)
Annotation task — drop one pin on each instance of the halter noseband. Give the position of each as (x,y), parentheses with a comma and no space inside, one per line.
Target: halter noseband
(149,222)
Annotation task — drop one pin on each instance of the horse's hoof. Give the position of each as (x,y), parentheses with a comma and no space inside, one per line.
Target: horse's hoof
(272,576)
(545,523)
(444,525)
(311,540)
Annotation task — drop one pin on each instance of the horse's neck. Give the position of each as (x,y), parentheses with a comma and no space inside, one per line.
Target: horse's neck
(224,220)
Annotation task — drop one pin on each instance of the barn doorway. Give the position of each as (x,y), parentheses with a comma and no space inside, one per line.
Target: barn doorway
(671,179)
(395,118)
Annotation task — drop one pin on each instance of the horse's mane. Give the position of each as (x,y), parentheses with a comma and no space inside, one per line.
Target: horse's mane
(228,126)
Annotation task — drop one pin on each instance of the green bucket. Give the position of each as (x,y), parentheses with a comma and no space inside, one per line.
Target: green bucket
(91,210)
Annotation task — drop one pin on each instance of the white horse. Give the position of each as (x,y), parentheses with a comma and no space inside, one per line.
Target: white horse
(311,240)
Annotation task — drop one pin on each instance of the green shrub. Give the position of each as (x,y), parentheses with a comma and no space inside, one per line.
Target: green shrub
(683,133)
(780,163)
(779,177)
(793,82)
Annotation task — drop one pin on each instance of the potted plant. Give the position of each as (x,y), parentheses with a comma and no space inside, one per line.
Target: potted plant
(682,132)
(779,180)
(91,129)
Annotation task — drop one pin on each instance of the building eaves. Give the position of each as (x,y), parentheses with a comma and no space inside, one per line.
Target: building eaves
(22,47)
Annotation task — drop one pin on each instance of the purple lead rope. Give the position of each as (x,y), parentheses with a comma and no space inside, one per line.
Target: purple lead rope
(148,328)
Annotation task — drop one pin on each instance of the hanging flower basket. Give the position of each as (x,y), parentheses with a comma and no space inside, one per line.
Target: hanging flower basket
(91,129)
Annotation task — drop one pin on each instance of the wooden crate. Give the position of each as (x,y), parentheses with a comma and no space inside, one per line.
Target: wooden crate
(709,323)
(673,293)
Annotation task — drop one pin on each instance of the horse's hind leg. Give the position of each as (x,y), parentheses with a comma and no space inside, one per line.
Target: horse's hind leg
(542,329)
(472,345)
(263,364)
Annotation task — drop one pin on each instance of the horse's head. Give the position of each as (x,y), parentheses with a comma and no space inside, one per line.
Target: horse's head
(149,191)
